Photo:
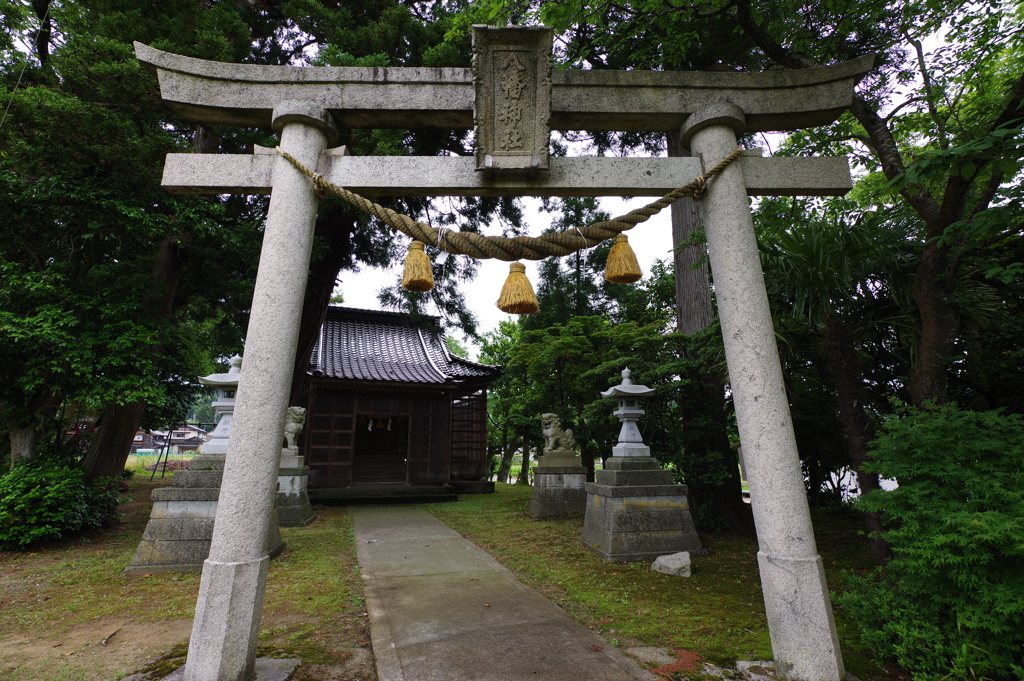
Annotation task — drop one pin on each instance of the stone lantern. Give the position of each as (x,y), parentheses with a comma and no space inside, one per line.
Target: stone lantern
(223,406)
(628,394)
(180,528)
(634,511)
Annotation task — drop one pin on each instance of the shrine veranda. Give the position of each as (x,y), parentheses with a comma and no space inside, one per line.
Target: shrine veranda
(513,99)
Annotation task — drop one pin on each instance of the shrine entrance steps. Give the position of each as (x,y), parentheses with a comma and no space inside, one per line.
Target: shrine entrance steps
(441,608)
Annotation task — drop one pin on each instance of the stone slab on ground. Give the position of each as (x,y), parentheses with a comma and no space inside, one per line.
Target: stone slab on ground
(758,670)
(751,670)
(267,669)
(440,608)
(656,657)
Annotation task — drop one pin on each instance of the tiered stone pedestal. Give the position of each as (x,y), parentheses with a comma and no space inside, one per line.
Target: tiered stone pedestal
(177,537)
(635,513)
(293,507)
(558,487)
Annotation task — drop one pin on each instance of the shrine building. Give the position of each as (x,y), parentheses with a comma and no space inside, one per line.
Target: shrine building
(391,411)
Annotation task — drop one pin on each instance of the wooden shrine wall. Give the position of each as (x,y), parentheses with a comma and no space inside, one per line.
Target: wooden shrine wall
(469,436)
(351,437)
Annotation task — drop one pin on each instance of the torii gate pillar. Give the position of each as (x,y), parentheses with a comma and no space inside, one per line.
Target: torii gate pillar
(227,621)
(800,621)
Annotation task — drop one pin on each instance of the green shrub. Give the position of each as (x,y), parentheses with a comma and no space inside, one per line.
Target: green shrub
(45,501)
(950,603)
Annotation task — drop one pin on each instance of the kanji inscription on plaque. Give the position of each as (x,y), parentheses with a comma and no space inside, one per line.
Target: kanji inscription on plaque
(512,102)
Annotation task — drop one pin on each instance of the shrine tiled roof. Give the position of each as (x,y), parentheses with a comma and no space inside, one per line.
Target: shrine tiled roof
(370,345)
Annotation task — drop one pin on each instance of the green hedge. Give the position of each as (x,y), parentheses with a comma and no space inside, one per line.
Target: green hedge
(45,501)
(950,603)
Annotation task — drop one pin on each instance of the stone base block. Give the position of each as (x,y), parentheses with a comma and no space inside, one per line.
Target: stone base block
(293,507)
(227,616)
(180,528)
(202,479)
(289,459)
(558,460)
(558,492)
(632,463)
(633,477)
(294,510)
(800,620)
(207,461)
(267,669)
(628,523)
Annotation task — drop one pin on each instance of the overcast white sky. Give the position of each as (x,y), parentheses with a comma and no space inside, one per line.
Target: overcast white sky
(651,240)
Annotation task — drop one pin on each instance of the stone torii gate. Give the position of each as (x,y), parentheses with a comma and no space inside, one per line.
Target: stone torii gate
(513,98)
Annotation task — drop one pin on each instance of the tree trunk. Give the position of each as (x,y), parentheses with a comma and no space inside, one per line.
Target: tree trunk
(113,440)
(334,229)
(844,365)
(119,422)
(940,321)
(508,451)
(588,457)
(695,312)
(524,472)
(726,498)
(23,441)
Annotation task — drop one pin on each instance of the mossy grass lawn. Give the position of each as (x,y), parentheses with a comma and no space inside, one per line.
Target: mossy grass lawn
(68,613)
(717,613)
(59,603)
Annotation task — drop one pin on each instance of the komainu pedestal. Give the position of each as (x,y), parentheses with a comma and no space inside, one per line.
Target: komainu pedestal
(559,488)
(634,511)
(293,507)
(559,478)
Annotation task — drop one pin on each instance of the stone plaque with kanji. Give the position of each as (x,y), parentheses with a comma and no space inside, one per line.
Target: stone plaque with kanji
(512,104)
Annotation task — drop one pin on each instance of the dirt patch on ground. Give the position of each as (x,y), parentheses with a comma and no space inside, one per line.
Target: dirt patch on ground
(67,613)
(106,649)
(130,647)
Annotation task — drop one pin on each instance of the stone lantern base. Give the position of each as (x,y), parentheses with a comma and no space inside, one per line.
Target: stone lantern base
(558,487)
(177,537)
(635,513)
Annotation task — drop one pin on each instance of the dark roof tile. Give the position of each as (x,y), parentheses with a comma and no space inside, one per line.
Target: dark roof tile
(370,345)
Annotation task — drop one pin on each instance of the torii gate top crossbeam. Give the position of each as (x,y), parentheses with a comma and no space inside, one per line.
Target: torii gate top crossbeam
(409,97)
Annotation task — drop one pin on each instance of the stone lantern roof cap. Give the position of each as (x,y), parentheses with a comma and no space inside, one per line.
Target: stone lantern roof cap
(228,380)
(627,388)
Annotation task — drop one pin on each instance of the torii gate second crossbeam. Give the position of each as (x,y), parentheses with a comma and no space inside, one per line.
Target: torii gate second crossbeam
(513,98)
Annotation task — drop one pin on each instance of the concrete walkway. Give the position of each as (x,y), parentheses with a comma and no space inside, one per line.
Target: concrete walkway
(441,609)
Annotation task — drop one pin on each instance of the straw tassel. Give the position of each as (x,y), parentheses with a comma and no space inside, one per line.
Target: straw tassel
(417,275)
(517,296)
(622,266)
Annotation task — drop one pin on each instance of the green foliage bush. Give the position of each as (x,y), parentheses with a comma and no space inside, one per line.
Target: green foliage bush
(950,603)
(46,501)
